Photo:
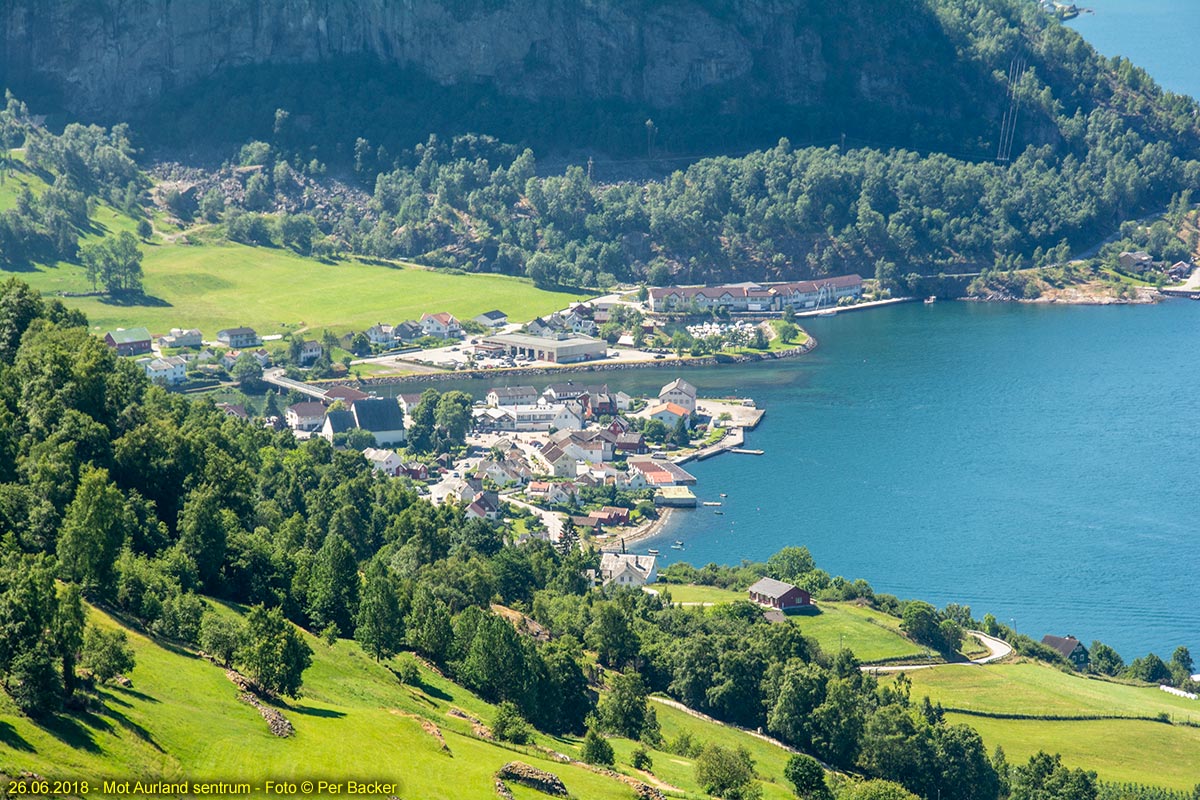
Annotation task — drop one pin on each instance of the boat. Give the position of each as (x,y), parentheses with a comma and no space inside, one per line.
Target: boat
(718,511)
(679,542)
(677,546)
(930,300)
(713,502)
(652,552)
(724,495)
(829,312)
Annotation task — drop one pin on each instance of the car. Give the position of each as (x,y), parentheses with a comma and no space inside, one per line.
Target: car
(660,355)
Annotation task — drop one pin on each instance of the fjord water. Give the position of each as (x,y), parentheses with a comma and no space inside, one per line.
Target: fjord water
(1157,35)
(1036,462)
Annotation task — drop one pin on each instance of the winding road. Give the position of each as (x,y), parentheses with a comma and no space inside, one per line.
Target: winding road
(997,649)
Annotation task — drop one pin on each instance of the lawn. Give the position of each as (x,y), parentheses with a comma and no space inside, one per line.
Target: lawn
(872,635)
(693,593)
(181,719)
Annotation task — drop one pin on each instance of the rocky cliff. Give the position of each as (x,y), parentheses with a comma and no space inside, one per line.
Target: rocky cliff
(105,58)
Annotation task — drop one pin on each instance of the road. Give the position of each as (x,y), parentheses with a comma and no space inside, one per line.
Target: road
(997,649)
(553,520)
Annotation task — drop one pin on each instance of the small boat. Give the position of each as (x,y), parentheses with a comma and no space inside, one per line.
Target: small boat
(652,552)
(930,300)
(724,495)
(719,512)
(713,502)
(677,546)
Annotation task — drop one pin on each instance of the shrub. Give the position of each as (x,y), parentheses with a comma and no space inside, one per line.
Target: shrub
(509,725)
(107,653)
(596,749)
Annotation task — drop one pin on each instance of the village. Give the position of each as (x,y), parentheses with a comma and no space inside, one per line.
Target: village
(574,464)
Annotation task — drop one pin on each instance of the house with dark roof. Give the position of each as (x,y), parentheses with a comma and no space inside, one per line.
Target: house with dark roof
(492,319)
(382,417)
(238,337)
(128,341)
(336,422)
(778,595)
(1069,648)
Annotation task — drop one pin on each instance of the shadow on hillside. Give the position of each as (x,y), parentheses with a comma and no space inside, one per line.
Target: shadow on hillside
(125,722)
(71,730)
(134,693)
(310,711)
(10,738)
(135,300)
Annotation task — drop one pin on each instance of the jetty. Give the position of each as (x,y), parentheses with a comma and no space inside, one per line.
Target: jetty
(746,451)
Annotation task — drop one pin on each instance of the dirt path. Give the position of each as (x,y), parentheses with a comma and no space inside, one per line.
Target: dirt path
(997,649)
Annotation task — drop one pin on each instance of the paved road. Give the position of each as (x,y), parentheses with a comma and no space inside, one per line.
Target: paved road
(997,649)
(553,520)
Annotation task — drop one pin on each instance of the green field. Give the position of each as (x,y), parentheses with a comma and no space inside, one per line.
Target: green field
(1117,749)
(872,635)
(216,284)
(694,593)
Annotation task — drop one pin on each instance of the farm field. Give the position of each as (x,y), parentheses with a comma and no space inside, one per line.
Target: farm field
(1117,749)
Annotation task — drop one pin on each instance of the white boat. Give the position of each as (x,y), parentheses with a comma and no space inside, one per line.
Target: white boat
(652,552)
(713,502)
(930,300)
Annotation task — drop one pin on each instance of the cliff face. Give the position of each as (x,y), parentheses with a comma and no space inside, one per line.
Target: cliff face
(103,58)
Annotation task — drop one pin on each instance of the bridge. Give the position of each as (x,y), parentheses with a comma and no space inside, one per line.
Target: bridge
(276,377)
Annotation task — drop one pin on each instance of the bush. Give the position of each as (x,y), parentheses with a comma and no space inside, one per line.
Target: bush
(727,773)
(596,749)
(509,725)
(640,759)
(34,682)
(221,637)
(407,670)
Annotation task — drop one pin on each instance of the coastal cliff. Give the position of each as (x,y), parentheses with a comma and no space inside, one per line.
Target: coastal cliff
(106,58)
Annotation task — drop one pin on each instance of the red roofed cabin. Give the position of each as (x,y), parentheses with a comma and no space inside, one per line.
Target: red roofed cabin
(777,594)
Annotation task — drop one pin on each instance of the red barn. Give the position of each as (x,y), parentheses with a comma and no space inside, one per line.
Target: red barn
(777,594)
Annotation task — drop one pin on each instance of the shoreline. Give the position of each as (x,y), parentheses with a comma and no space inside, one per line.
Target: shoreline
(638,535)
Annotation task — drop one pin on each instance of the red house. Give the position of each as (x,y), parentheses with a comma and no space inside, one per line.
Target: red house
(777,594)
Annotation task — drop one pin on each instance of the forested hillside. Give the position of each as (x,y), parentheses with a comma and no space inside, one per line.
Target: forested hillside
(1089,143)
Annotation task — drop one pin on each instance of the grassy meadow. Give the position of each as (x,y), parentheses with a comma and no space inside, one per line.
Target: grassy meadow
(212,284)
(1137,750)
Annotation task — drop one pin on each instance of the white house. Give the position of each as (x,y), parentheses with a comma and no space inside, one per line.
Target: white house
(380,334)
(624,402)
(306,416)
(169,371)
(178,337)
(512,396)
(310,351)
(679,392)
(668,414)
(570,416)
(562,464)
(238,338)
(626,569)
(385,461)
(380,416)
(492,319)
(442,325)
